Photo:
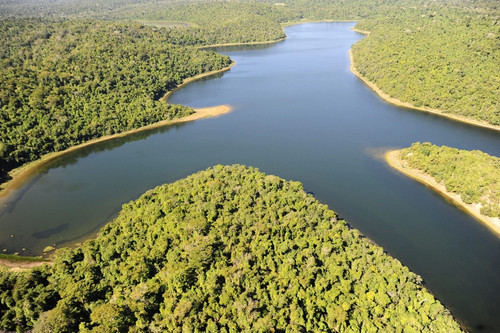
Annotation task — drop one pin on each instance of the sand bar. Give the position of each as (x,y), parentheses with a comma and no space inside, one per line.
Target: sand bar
(22,173)
(493,223)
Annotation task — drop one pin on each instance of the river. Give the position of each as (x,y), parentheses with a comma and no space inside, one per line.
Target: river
(299,113)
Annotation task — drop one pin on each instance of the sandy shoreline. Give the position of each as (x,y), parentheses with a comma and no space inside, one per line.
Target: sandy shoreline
(391,157)
(397,102)
(364,32)
(22,173)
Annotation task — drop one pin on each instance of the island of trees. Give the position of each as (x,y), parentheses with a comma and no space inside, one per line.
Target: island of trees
(227,249)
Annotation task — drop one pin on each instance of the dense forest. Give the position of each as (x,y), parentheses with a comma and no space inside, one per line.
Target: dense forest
(64,83)
(438,58)
(228,249)
(474,175)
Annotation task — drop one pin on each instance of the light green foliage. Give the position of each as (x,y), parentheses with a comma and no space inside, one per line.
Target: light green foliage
(473,175)
(436,57)
(64,83)
(232,249)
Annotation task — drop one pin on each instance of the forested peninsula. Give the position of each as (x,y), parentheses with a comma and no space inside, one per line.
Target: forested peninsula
(67,82)
(471,179)
(229,248)
(226,249)
(73,72)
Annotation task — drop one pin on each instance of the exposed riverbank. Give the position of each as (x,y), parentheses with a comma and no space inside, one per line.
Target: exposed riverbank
(19,175)
(400,103)
(17,264)
(392,159)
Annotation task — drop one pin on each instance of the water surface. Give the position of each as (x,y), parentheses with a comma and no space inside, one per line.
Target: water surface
(302,115)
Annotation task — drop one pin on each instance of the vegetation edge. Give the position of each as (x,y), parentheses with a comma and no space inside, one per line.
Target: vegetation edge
(400,103)
(19,174)
(391,157)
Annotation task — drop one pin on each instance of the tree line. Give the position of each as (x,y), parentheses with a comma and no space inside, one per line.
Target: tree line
(436,57)
(67,81)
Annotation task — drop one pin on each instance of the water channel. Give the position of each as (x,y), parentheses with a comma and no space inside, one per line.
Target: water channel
(299,113)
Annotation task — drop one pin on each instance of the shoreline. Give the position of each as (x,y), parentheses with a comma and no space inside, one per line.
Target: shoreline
(195,78)
(491,222)
(202,47)
(21,266)
(20,174)
(289,24)
(407,105)
(363,32)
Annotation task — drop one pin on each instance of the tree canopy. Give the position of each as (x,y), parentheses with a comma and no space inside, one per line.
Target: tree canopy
(436,57)
(66,79)
(228,249)
(474,175)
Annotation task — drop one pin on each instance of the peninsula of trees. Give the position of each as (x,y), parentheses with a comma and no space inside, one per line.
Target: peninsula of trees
(436,58)
(470,178)
(225,250)
(67,82)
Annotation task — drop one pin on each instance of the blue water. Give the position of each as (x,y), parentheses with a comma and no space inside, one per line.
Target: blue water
(299,113)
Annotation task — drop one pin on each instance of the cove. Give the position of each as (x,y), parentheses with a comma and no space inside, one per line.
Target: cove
(299,113)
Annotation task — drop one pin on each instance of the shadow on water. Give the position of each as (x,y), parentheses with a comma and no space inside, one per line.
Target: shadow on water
(63,161)
(109,145)
(52,231)
(241,48)
(73,242)
(302,115)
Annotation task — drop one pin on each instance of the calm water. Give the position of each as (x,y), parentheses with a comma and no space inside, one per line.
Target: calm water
(300,114)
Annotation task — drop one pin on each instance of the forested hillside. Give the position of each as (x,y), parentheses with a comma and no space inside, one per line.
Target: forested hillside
(436,57)
(64,83)
(473,175)
(434,54)
(226,249)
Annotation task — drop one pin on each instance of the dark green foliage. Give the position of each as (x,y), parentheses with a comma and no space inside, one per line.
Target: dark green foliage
(473,175)
(232,249)
(64,83)
(220,22)
(24,296)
